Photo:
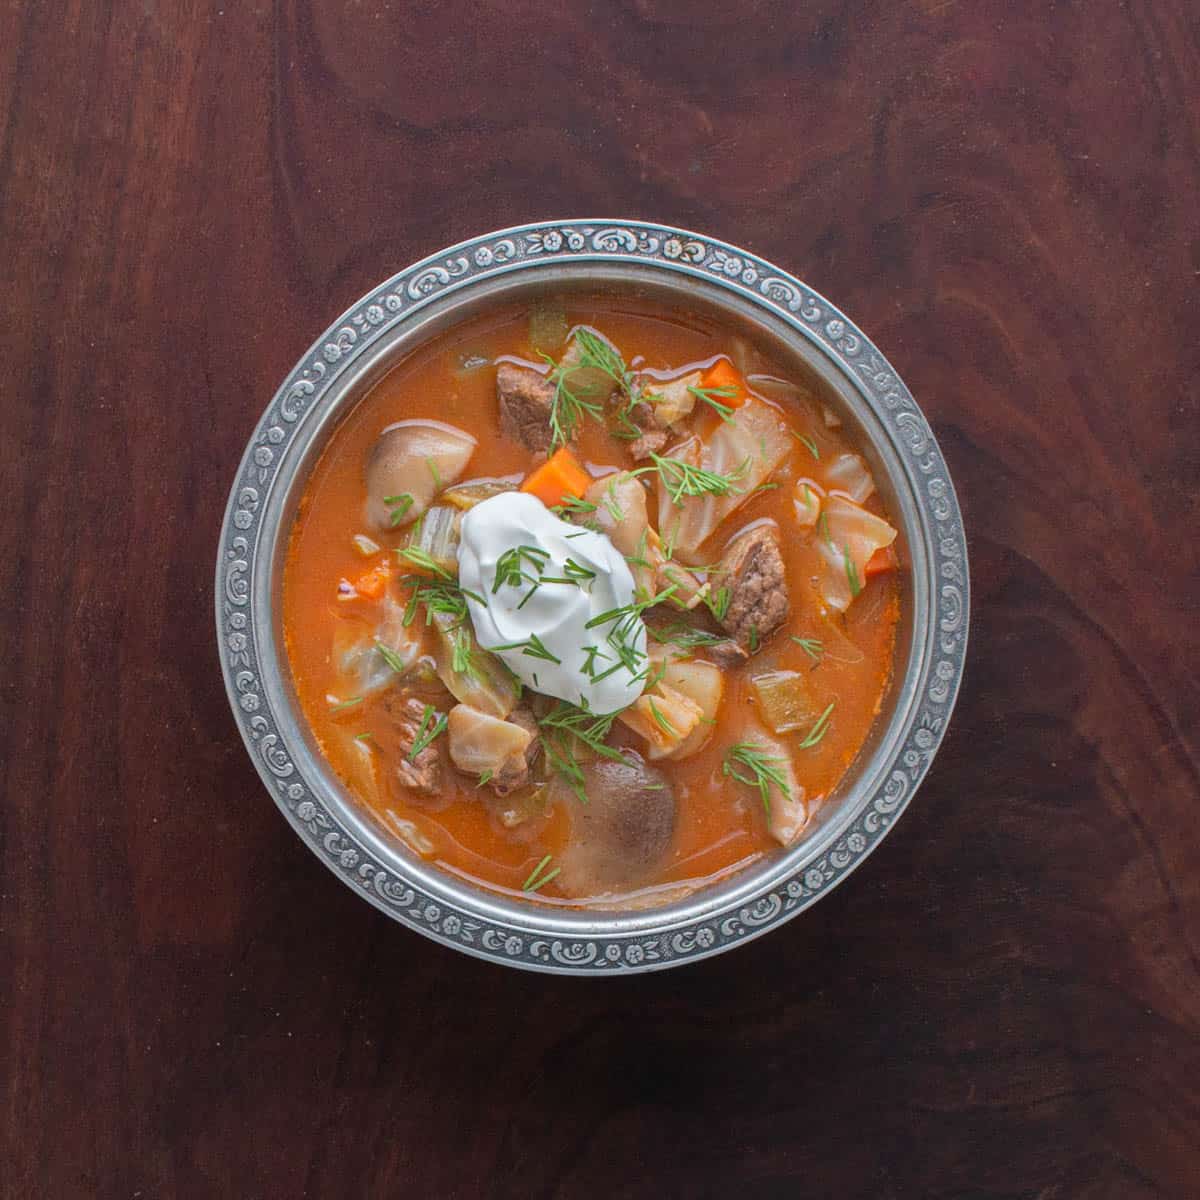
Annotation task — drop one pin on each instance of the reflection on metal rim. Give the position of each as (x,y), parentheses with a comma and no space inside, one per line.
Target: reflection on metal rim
(401,313)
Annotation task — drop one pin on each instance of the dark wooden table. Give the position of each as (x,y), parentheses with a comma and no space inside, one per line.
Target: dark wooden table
(1004,1001)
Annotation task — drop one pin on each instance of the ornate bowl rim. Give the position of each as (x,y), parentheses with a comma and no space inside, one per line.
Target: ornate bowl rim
(436,903)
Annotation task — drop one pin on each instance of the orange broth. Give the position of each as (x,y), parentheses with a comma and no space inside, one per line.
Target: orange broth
(720,824)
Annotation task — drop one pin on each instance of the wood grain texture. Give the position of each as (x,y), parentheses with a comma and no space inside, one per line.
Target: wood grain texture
(1005,1000)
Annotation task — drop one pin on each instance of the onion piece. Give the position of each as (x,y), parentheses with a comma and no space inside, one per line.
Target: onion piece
(409,464)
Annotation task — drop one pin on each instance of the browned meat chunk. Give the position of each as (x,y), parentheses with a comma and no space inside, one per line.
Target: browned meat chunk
(424,773)
(514,775)
(526,399)
(624,830)
(725,654)
(651,442)
(752,569)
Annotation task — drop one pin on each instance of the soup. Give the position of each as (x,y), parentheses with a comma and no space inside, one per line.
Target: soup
(590,601)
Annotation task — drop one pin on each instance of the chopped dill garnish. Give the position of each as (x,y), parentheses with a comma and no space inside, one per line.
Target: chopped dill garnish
(851,573)
(808,443)
(682,479)
(709,396)
(398,506)
(423,560)
(753,766)
(819,729)
(811,646)
(432,723)
(363,737)
(484,778)
(718,602)
(532,646)
(572,506)
(342,705)
(538,880)
(823,527)
(433,470)
(509,566)
(684,636)
(753,639)
(390,657)
(611,506)
(660,720)
(565,724)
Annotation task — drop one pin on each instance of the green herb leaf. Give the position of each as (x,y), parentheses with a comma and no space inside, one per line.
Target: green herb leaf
(532,646)
(808,443)
(752,765)
(709,396)
(432,724)
(851,572)
(345,704)
(682,479)
(819,729)
(398,506)
(423,560)
(813,648)
(537,879)
(390,657)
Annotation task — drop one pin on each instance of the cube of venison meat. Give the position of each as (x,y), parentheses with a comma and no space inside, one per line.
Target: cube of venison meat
(752,569)
(424,773)
(526,401)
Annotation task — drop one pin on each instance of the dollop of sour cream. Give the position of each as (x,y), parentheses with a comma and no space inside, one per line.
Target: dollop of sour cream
(538,624)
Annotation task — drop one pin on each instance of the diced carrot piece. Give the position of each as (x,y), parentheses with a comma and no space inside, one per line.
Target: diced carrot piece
(723,374)
(374,582)
(884,559)
(560,476)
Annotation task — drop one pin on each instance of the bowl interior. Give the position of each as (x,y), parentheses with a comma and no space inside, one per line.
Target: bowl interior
(802,359)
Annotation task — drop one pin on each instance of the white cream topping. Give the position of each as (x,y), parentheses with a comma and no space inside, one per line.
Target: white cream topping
(519,618)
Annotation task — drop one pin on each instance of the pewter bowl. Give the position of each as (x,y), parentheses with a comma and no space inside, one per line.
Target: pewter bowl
(748,294)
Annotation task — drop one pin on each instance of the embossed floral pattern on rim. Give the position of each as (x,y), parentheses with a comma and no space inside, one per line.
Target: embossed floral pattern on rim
(524,935)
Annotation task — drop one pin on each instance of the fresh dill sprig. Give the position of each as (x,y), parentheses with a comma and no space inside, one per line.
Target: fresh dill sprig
(561,728)
(685,637)
(851,572)
(532,646)
(398,506)
(537,879)
(811,646)
(390,657)
(343,705)
(718,602)
(819,729)
(432,724)
(808,443)
(753,766)
(710,397)
(682,479)
(573,506)
(424,561)
(509,568)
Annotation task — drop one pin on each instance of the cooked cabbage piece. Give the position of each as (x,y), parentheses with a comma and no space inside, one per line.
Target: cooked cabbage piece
(847,536)
(480,743)
(471,674)
(745,449)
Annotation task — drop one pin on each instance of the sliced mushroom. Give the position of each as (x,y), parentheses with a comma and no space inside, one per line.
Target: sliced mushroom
(623,833)
(410,463)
